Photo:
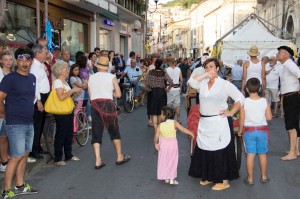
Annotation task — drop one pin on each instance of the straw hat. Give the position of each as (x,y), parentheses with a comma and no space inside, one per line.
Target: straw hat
(253,51)
(103,63)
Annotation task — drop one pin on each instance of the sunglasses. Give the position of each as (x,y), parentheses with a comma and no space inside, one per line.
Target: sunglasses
(26,56)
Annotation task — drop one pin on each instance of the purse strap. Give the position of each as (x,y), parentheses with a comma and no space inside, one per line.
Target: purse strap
(62,84)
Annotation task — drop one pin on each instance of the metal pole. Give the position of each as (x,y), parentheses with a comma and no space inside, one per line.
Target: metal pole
(38,19)
(46,14)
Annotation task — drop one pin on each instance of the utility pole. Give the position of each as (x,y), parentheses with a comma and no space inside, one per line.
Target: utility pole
(38,19)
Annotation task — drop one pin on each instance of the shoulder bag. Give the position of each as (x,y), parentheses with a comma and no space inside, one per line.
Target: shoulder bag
(56,106)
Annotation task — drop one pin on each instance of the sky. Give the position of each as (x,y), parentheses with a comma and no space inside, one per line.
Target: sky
(159,1)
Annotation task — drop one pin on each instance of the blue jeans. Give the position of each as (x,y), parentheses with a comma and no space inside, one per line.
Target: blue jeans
(20,138)
(137,88)
(256,142)
(184,85)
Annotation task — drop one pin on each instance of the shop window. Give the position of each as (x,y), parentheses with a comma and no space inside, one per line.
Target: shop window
(104,39)
(73,37)
(17,26)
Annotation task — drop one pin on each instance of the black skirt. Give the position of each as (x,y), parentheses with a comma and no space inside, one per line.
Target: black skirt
(215,166)
(157,99)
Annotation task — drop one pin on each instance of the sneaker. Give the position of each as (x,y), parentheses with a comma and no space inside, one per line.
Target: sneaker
(25,190)
(6,194)
(2,167)
(31,160)
(90,119)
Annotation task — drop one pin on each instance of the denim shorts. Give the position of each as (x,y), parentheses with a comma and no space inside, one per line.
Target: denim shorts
(20,138)
(2,127)
(256,142)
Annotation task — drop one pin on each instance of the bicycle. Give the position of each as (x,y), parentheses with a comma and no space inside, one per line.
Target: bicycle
(130,100)
(81,133)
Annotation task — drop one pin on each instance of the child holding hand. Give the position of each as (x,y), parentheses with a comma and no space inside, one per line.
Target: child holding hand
(166,144)
(253,125)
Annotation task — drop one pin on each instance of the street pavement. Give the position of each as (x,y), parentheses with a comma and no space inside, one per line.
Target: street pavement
(137,178)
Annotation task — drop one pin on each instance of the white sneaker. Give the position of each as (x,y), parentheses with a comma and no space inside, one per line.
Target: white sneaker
(31,160)
(2,167)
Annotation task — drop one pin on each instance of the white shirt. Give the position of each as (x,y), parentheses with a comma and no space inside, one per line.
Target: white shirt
(42,82)
(1,74)
(101,86)
(198,71)
(214,132)
(255,112)
(128,62)
(59,84)
(272,78)
(237,73)
(289,78)
(174,74)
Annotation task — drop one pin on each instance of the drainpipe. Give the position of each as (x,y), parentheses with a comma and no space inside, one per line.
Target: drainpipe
(283,17)
(38,19)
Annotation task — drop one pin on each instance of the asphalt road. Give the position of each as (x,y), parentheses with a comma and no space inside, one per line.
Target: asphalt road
(137,178)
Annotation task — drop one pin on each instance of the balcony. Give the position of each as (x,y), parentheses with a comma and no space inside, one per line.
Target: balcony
(135,6)
(263,2)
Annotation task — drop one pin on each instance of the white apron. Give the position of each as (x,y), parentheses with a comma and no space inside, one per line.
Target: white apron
(213,133)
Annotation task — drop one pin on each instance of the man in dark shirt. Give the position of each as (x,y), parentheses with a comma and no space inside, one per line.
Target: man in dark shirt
(18,89)
(185,71)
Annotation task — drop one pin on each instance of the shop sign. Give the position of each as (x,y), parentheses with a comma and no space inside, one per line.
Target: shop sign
(124,29)
(109,23)
(57,24)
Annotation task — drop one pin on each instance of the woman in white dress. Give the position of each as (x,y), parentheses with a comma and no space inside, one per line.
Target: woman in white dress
(214,158)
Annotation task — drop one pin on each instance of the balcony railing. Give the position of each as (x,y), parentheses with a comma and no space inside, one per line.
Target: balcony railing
(135,6)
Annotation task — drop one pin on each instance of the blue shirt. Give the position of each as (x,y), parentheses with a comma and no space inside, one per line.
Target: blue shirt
(133,73)
(19,102)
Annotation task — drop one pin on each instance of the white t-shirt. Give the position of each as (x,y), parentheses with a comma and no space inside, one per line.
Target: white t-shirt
(272,78)
(128,62)
(255,112)
(101,86)
(59,84)
(174,73)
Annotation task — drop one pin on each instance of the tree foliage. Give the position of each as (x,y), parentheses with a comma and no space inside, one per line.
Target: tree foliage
(183,3)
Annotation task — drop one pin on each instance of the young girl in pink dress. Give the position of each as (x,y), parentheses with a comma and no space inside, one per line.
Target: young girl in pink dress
(165,143)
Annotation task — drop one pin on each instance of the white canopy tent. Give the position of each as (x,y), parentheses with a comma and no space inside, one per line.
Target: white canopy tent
(252,33)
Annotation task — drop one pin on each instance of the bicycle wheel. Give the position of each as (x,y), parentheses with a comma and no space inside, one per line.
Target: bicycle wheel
(238,150)
(83,129)
(128,103)
(49,136)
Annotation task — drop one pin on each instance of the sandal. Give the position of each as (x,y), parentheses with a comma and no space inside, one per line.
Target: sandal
(204,183)
(60,163)
(220,187)
(100,166)
(265,180)
(126,158)
(174,182)
(248,182)
(74,158)
(150,124)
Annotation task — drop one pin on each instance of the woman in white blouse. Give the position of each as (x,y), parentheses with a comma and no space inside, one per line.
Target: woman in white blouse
(214,159)
(64,123)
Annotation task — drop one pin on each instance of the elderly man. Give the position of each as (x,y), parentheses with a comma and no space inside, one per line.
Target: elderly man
(273,71)
(138,59)
(65,55)
(237,74)
(173,94)
(289,89)
(134,74)
(43,89)
(18,90)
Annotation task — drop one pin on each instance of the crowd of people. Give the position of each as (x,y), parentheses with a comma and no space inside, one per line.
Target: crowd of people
(250,87)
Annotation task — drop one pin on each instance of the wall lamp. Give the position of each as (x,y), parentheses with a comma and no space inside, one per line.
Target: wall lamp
(156,1)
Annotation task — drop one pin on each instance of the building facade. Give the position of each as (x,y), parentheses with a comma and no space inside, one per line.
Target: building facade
(284,15)
(77,25)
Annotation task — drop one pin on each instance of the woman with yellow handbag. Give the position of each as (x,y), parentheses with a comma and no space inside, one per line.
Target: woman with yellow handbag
(61,105)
